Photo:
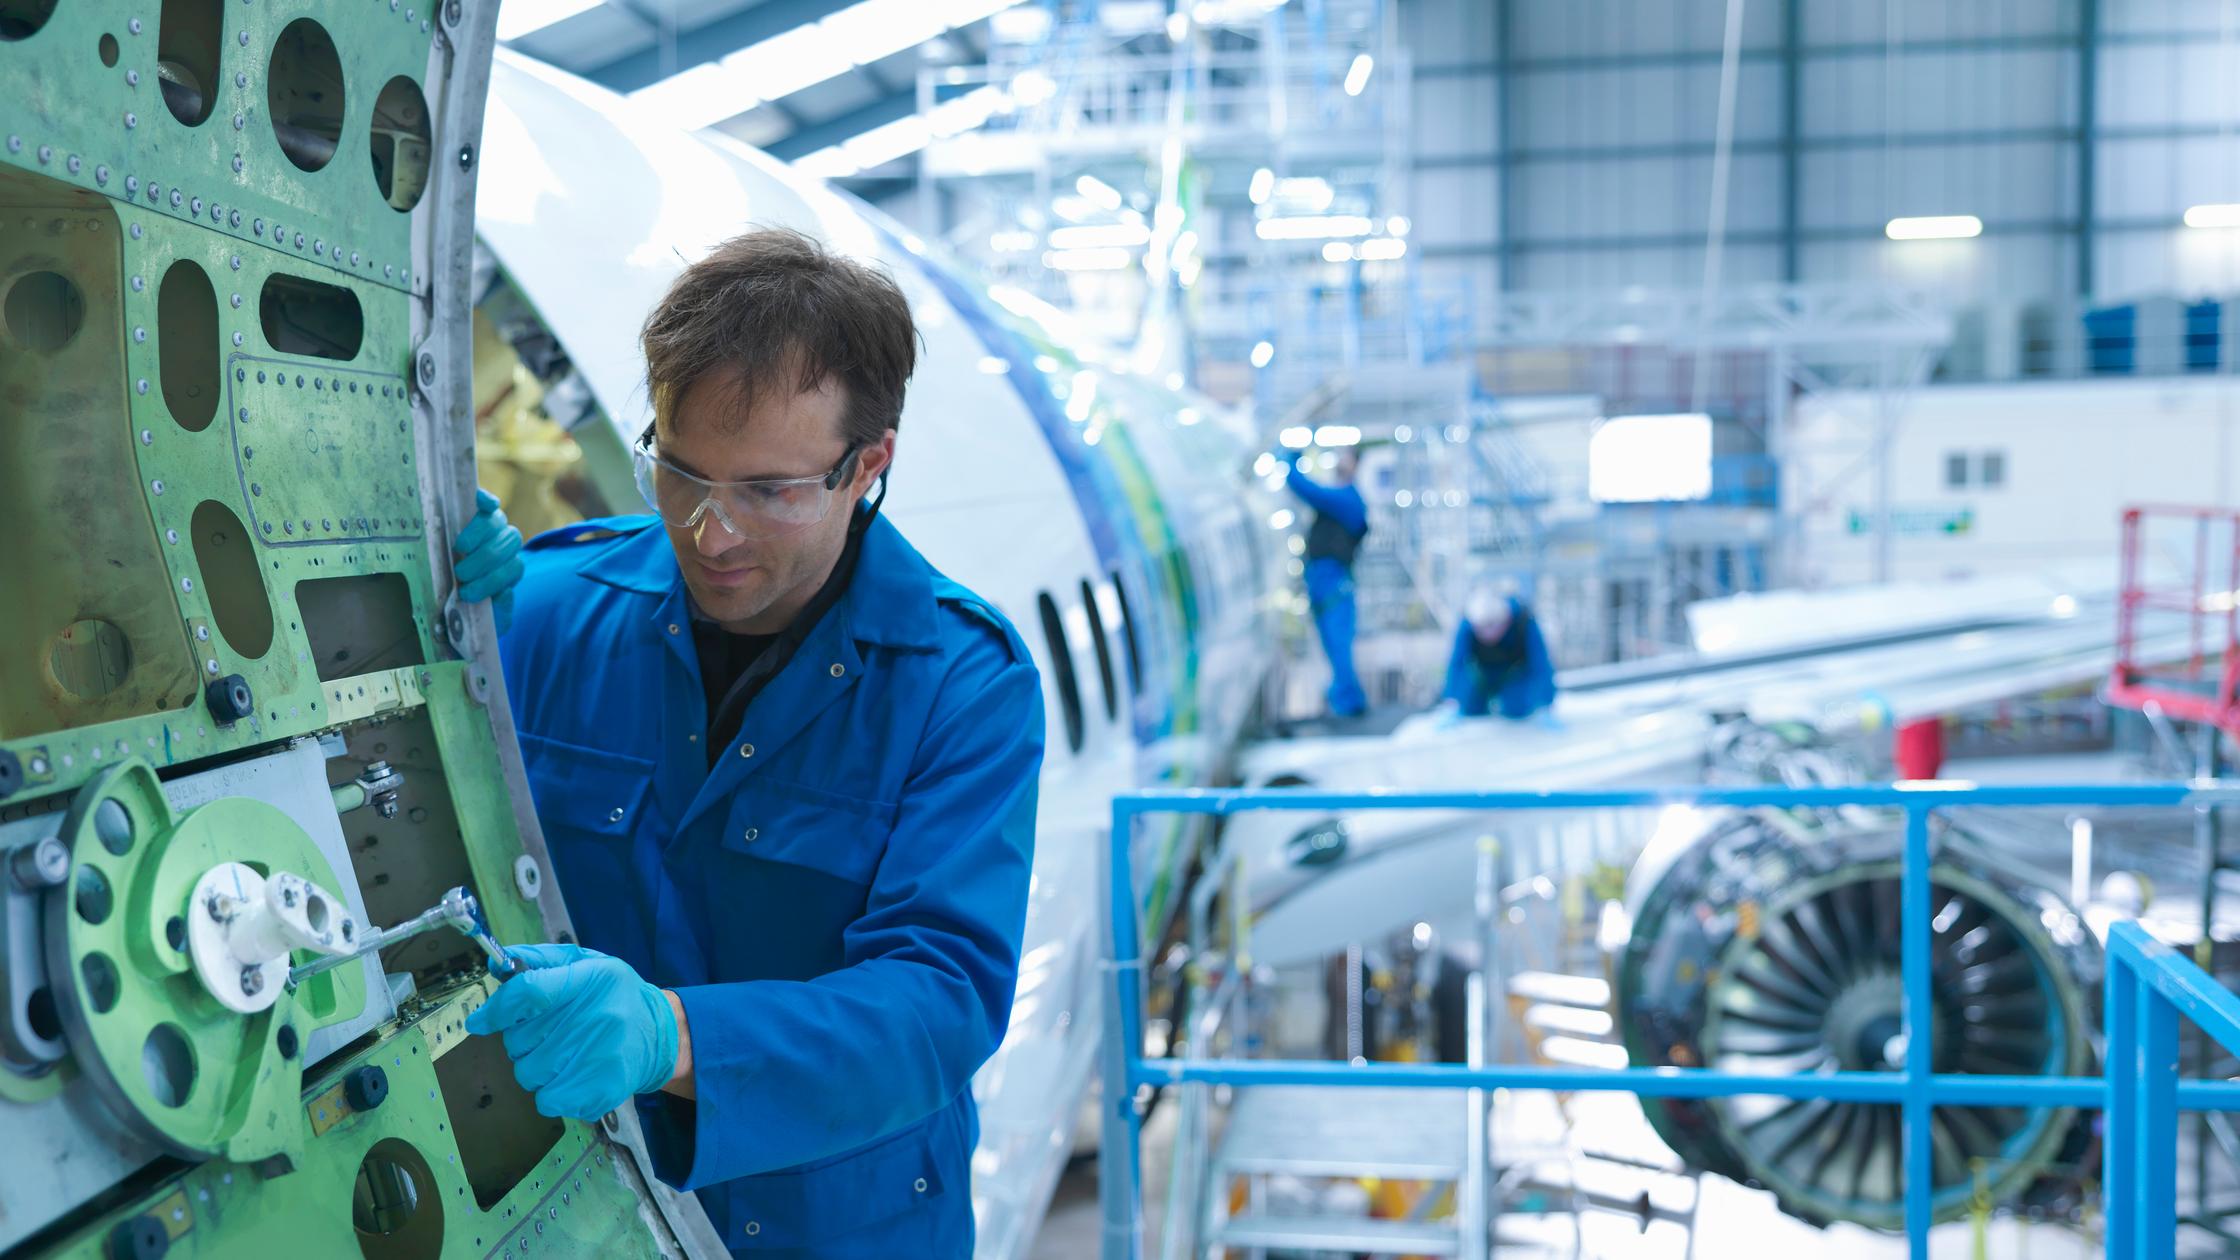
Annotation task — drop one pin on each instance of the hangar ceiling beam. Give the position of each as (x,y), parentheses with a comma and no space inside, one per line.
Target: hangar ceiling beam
(846,126)
(709,41)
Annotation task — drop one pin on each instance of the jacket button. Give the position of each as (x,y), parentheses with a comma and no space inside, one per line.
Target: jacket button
(672,627)
(753,1228)
(616,816)
(746,750)
(838,669)
(919,1185)
(751,835)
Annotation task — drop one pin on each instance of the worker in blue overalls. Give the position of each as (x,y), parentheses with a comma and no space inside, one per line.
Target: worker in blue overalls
(1341,521)
(786,772)
(1499,661)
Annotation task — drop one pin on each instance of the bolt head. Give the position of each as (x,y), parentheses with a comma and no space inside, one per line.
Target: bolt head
(252,980)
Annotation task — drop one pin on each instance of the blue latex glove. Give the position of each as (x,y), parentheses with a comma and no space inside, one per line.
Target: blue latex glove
(486,558)
(585,1033)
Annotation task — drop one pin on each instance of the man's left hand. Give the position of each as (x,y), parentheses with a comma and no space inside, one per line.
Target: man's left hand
(584,1032)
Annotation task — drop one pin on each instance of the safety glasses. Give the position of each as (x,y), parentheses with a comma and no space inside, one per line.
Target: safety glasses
(758,510)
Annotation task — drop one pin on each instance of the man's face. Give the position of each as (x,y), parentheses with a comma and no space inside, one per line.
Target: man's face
(758,585)
(1347,465)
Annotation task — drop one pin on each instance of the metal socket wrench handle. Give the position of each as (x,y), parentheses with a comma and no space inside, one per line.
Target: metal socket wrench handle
(458,911)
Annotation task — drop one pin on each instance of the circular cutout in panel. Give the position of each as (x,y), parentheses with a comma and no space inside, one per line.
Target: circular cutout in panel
(400,143)
(93,897)
(38,1011)
(188,43)
(187,342)
(108,49)
(100,976)
(44,310)
(231,579)
(89,659)
(303,92)
(113,827)
(167,1062)
(21,19)
(386,1203)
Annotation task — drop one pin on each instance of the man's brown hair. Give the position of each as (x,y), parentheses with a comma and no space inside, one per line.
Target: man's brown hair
(773,309)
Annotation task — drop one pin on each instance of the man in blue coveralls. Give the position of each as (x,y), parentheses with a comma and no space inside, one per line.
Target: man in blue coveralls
(1341,521)
(786,771)
(1499,660)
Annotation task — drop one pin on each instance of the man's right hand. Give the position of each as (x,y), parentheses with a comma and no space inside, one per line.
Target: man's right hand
(486,558)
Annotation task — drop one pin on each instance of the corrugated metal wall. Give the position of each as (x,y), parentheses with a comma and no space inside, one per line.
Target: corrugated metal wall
(1566,144)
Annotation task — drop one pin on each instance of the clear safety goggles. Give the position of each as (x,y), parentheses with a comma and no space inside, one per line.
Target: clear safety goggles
(769,508)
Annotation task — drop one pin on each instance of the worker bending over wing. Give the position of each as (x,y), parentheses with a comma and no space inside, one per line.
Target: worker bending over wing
(1499,660)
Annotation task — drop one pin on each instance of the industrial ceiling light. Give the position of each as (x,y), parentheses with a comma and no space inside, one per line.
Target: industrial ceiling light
(1263,183)
(1262,355)
(1312,227)
(1934,227)
(2214,215)
(1101,236)
(1102,259)
(1098,192)
(1357,75)
(1382,249)
(1337,251)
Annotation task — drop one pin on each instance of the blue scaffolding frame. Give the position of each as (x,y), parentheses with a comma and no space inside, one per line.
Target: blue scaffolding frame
(2147,986)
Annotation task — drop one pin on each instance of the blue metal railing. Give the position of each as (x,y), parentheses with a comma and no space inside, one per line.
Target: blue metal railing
(2147,985)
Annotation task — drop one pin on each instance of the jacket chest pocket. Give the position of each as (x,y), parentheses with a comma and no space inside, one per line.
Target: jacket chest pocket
(583,794)
(772,820)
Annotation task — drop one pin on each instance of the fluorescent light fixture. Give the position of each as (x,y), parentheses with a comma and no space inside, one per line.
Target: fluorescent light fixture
(875,30)
(1033,87)
(1012,241)
(994,365)
(1337,251)
(1262,355)
(1184,246)
(858,35)
(1082,398)
(1337,435)
(1178,26)
(888,141)
(700,97)
(1098,193)
(1100,236)
(517,18)
(1187,271)
(1298,437)
(974,108)
(1106,259)
(1263,183)
(1312,227)
(1398,225)
(1934,227)
(1382,249)
(1175,381)
(1282,518)
(1357,74)
(2213,216)
(1071,208)
(1310,193)
(1020,26)
(1650,459)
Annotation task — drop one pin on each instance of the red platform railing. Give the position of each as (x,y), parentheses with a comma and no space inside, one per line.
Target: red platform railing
(2181,563)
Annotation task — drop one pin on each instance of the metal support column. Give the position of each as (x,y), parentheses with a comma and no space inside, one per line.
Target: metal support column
(1920,1019)
(1505,138)
(2119,1172)
(2088,138)
(1792,128)
(2157,1152)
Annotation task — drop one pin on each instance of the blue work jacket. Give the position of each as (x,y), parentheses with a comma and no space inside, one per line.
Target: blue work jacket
(838,903)
(1526,688)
